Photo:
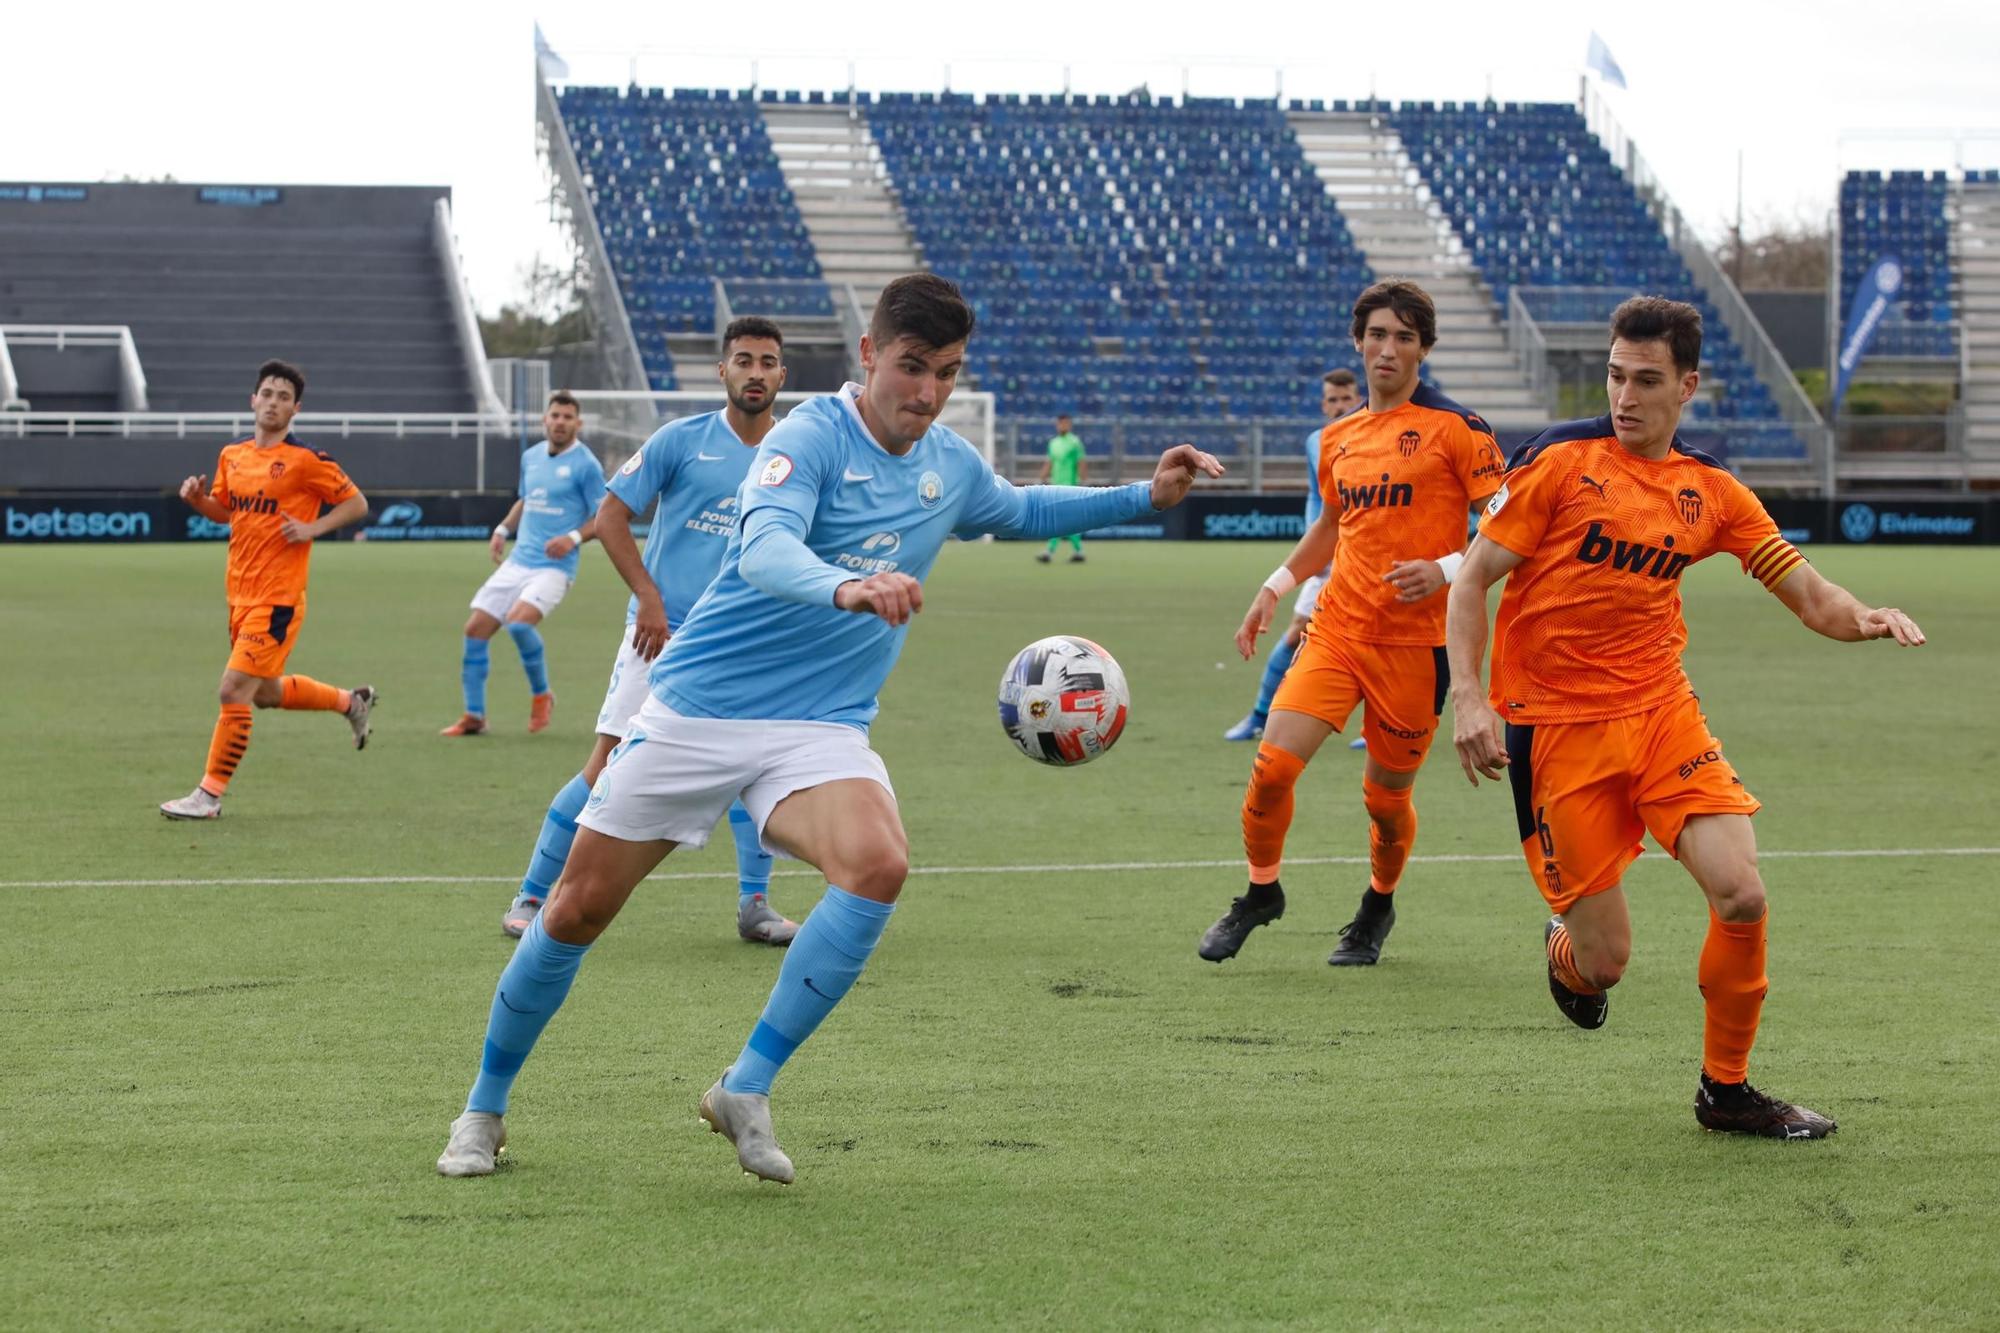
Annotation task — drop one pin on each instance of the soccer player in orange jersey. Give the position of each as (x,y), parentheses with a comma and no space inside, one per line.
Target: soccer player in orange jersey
(269,490)
(1396,482)
(1591,714)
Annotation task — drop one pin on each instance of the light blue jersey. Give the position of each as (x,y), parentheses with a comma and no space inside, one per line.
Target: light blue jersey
(558,493)
(1314,503)
(695,466)
(824,505)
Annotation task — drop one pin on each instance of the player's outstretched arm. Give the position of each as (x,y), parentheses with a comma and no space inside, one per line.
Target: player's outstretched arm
(1477,731)
(194,493)
(613,526)
(1313,553)
(1175,475)
(1825,607)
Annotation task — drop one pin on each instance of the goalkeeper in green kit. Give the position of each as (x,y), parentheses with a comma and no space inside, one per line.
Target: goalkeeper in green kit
(1065,467)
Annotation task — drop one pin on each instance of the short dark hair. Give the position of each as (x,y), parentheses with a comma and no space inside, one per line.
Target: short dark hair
(1339,379)
(1407,301)
(1064,416)
(923,307)
(1645,319)
(282,370)
(752,326)
(566,398)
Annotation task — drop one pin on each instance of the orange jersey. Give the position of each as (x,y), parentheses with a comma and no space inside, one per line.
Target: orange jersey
(261,488)
(1401,483)
(1590,626)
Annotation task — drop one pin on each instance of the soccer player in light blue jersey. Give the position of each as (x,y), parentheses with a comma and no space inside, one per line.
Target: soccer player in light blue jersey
(766,693)
(693,467)
(1338,395)
(561,486)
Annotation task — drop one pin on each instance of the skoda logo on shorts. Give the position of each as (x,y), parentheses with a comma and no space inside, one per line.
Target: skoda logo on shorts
(930,490)
(1857,522)
(882,544)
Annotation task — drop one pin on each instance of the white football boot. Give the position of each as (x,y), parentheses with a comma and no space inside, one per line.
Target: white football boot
(361,701)
(477,1138)
(744,1118)
(197,804)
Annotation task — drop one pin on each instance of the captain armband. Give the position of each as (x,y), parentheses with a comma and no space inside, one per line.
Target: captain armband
(1772,560)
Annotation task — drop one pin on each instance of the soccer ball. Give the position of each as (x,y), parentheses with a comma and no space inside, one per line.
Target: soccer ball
(1063,700)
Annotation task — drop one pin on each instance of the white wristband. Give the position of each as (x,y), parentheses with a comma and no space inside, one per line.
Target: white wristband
(1281,581)
(576,535)
(1449,564)
(501,531)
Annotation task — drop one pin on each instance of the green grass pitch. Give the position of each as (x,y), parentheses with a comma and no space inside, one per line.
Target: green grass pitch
(220,1101)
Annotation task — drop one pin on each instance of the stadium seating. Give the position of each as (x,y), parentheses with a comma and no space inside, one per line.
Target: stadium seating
(1127,256)
(1905,214)
(1540,204)
(687,190)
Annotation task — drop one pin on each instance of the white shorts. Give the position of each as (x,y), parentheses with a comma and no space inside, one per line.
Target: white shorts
(542,589)
(1302,609)
(673,777)
(627,689)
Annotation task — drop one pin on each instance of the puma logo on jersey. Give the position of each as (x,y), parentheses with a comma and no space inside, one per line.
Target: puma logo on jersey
(1656,562)
(1382,495)
(1597,486)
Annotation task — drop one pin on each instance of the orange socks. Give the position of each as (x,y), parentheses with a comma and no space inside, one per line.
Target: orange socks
(1267,810)
(305,692)
(1392,829)
(1732,990)
(1562,957)
(226,747)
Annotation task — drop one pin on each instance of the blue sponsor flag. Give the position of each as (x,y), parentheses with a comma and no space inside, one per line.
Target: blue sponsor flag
(1872,301)
(1598,59)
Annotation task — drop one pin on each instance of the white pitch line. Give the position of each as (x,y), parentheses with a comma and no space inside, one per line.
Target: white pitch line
(1833,854)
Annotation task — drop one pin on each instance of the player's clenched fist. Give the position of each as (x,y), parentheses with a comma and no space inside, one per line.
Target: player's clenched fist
(194,488)
(1178,468)
(894,597)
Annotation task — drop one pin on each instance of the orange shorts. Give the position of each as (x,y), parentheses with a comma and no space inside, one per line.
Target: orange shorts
(261,638)
(1403,687)
(1585,793)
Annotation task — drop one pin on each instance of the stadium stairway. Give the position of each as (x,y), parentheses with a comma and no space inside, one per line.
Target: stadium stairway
(1979,290)
(835,173)
(347,283)
(1368,174)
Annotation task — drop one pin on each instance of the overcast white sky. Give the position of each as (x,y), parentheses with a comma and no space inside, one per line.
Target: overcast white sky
(418,93)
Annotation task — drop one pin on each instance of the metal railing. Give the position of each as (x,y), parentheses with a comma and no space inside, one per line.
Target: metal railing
(471,342)
(1260,453)
(624,367)
(181,425)
(1530,347)
(1764,358)
(131,374)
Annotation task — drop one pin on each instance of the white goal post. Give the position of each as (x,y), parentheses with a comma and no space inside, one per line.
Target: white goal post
(617,421)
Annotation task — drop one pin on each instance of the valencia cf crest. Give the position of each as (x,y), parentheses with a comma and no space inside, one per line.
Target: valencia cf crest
(1408,442)
(1689,501)
(277,468)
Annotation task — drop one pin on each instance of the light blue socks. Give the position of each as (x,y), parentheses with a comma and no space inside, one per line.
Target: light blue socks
(1275,668)
(558,832)
(529,640)
(753,863)
(472,675)
(820,966)
(530,991)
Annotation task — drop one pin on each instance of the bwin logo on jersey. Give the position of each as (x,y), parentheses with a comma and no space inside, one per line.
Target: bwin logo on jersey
(1382,496)
(875,553)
